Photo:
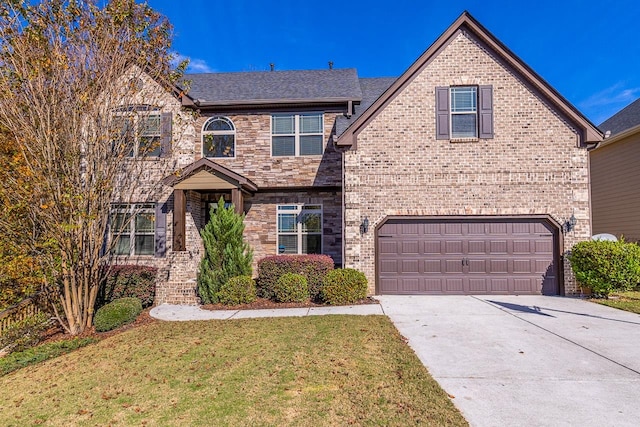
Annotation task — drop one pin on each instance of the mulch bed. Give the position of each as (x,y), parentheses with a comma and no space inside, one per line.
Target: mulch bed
(56,333)
(262,303)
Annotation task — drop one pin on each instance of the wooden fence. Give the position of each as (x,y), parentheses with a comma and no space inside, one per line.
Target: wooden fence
(20,311)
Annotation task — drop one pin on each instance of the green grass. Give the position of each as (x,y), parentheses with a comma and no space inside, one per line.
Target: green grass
(627,301)
(307,371)
(21,359)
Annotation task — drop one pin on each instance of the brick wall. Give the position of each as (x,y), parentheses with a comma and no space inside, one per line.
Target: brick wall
(532,165)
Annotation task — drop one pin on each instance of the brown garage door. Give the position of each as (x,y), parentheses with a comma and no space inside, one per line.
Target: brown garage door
(506,256)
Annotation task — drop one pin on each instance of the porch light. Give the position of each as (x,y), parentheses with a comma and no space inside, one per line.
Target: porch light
(570,224)
(364,227)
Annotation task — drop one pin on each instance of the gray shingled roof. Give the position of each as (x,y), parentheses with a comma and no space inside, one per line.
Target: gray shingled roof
(274,86)
(371,88)
(624,119)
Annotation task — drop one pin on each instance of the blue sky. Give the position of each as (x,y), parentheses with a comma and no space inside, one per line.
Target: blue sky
(588,50)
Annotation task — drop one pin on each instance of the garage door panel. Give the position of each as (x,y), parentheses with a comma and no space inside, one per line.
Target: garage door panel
(433,286)
(410,247)
(477,266)
(477,247)
(388,266)
(522,266)
(410,266)
(499,285)
(498,266)
(410,285)
(453,247)
(452,266)
(467,256)
(432,266)
(455,286)
(386,246)
(522,246)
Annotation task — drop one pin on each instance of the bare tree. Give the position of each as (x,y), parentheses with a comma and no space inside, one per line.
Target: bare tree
(82,91)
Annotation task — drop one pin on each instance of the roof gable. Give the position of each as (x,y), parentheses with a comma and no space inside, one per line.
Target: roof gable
(466,23)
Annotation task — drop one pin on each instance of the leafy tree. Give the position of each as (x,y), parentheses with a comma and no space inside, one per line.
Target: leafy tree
(226,254)
(66,67)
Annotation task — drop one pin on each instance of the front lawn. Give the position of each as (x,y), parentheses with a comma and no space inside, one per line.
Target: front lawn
(628,301)
(324,370)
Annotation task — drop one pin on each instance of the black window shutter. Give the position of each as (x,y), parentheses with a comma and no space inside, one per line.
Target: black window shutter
(161,230)
(166,122)
(442,113)
(485,113)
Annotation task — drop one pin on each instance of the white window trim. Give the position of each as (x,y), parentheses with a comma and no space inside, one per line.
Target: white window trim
(297,134)
(299,233)
(132,209)
(459,113)
(219,132)
(136,120)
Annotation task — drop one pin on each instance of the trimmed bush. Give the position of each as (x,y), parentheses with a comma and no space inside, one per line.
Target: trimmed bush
(344,286)
(605,266)
(238,290)
(128,281)
(291,287)
(117,313)
(24,334)
(312,267)
(226,254)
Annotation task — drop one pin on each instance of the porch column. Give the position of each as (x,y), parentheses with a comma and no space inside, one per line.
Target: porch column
(237,200)
(179,220)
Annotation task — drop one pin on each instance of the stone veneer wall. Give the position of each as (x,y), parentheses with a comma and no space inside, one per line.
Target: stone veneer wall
(533,165)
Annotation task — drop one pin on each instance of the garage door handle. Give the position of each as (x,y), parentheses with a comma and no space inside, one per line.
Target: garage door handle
(382,235)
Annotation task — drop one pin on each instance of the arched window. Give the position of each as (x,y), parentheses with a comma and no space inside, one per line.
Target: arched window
(218,138)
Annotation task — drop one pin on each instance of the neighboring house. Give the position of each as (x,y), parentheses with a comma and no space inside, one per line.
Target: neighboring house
(459,177)
(615,176)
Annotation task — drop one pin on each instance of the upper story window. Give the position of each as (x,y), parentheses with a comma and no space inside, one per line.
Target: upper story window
(139,130)
(464,112)
(218,138)
(297,134)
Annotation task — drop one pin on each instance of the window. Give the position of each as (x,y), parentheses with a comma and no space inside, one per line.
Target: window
(299,229)
(218,138)
(139,131)
(297,134)
(464,112)
(133,229)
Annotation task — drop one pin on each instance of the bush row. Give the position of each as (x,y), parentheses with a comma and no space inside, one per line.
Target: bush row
(312,267)
(128,281)
(605,266)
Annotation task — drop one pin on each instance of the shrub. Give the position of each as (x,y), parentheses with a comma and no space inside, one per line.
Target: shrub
(128,281)
(238,290)
(117,313)
(605,266)
(226,254)
(24,334)
(344,286)
(312,267)
(291,287)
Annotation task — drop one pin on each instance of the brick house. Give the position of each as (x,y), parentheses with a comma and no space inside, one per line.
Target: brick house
(467,174)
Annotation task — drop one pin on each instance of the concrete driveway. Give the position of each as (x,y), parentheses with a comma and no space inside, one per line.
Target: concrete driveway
(527,360)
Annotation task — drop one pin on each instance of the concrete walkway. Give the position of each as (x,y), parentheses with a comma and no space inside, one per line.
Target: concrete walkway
(527,360)
(191,312)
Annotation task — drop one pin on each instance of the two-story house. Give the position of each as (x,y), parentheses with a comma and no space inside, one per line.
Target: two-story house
(466,174)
